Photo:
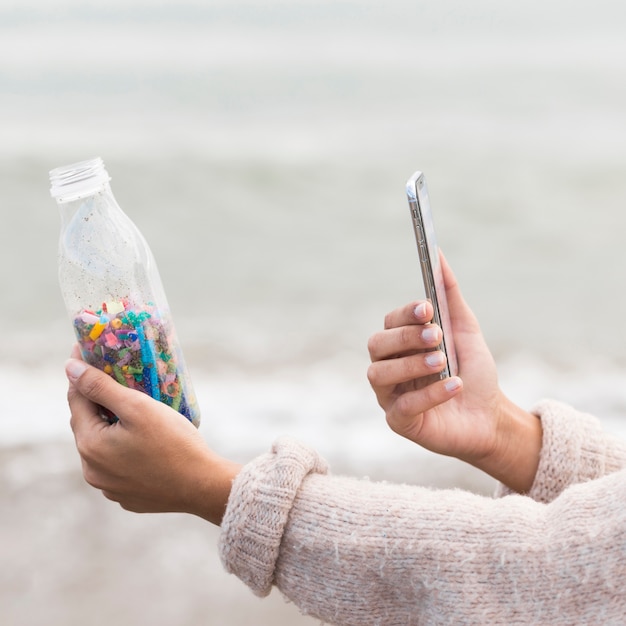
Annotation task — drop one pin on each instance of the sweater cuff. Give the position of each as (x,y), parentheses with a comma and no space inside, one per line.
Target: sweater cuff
(258,508)
(574,450)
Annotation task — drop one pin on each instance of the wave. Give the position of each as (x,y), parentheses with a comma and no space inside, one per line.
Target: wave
(327,404)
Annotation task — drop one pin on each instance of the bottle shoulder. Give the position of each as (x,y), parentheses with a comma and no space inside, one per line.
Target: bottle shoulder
(98,228)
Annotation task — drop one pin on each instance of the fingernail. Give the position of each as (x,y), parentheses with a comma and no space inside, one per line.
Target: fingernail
(452,384)
(75,368)
(434,359)
(430,334)
(420,310)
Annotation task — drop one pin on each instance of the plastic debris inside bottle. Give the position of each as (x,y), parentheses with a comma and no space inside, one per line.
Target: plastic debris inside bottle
(134,345)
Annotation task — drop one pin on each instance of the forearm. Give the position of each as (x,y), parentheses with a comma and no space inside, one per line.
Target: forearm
(356,552)
(395,555)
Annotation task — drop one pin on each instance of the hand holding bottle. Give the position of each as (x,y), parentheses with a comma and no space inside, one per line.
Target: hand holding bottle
(151,460)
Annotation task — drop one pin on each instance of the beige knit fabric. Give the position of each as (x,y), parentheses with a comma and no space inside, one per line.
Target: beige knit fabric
(354,552)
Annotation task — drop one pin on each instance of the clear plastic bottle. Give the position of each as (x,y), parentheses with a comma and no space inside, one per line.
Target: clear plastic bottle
(113,291)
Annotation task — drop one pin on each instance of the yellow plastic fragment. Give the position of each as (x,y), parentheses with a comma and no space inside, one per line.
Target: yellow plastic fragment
(96,331)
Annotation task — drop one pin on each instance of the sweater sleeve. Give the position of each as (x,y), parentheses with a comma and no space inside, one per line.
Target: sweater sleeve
(575,449)
(257,511)
(354,552)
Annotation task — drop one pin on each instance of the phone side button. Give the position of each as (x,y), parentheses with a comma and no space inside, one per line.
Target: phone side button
(423,255)
(420,234)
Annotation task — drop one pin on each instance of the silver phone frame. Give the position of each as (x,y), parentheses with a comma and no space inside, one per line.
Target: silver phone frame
(423,226)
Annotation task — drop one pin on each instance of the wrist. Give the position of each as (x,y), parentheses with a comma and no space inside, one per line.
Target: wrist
(515,458)
(213,488)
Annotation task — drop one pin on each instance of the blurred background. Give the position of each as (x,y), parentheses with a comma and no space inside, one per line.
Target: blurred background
(262,147)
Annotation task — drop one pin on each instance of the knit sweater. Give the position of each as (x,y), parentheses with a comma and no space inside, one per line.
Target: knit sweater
(355,552)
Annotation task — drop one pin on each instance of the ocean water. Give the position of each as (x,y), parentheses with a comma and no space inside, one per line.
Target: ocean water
(263,147)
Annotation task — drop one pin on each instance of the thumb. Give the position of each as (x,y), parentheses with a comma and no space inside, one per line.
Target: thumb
(91,384)
(461,316)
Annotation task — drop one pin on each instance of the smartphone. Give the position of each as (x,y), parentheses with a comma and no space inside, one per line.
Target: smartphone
(417,194)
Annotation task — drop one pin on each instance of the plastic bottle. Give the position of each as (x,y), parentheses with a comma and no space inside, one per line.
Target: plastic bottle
(113,291)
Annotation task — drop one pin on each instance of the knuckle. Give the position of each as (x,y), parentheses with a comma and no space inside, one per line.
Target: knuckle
(393,424)
(404,335)
(389,321)
(373,344)
(397,422)
(373,375)
(92,477)
(71,394)
(73,422)
(409,368)
(403,407)
(409,336)
(405,420)
(110,495)
(92,385)
(86,452)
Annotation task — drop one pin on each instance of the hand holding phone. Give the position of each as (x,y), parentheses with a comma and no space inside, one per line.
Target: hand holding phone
(419,204)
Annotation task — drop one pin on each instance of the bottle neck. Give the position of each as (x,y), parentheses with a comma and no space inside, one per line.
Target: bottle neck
(71,183)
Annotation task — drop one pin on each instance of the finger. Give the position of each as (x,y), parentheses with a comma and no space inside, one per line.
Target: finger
(85,415)
(393,372)
(418,312)
(403,341)
(404,415)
